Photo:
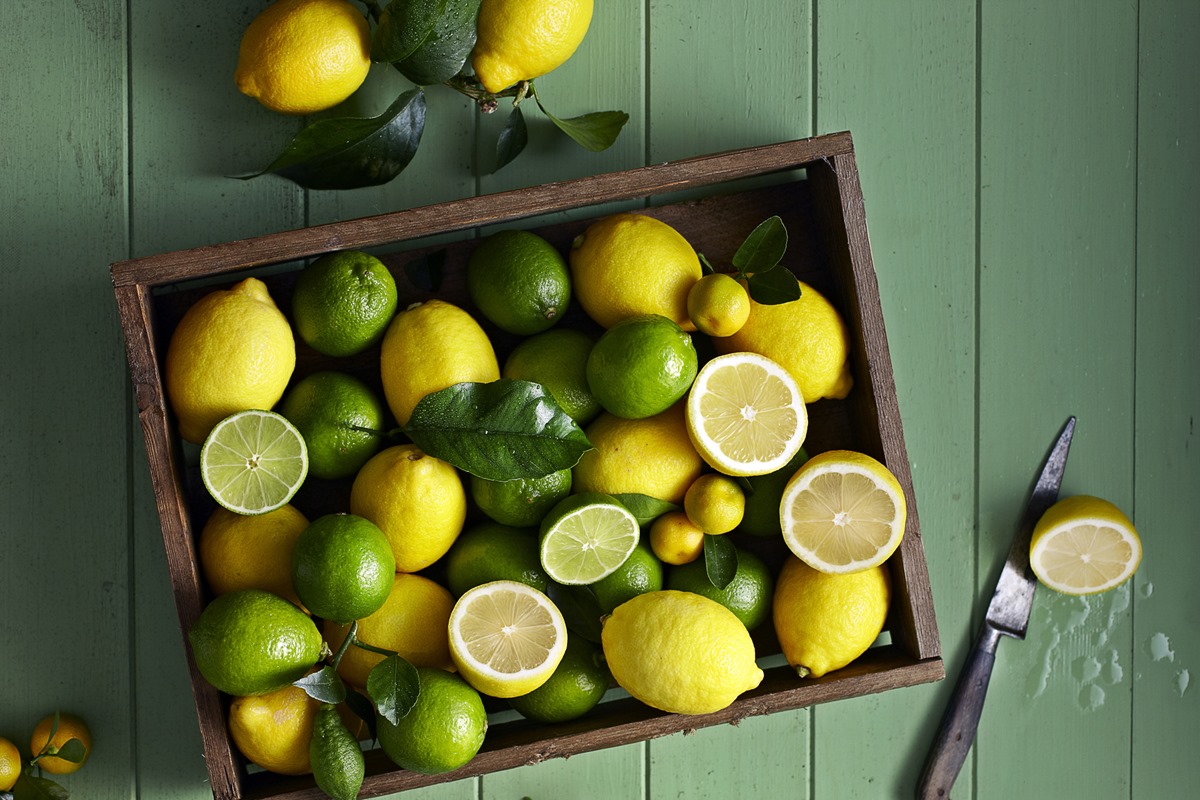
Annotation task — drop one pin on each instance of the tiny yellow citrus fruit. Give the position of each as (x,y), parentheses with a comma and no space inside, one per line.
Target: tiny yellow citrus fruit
(715,503)
(519,40)
(718,305)
(675,539)
(1084,545)
(69,727)
(273,730)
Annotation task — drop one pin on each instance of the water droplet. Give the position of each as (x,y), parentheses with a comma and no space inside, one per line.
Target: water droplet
(1101,638)
(1182,679)
(1147,589)
(1159,647)
(1086,669)
(1118,603)
(1091,697)
(1113,673)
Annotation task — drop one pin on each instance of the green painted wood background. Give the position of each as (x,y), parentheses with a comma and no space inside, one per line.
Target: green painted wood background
(1030,179)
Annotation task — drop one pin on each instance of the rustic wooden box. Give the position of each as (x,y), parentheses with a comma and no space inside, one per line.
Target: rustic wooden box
(812,184)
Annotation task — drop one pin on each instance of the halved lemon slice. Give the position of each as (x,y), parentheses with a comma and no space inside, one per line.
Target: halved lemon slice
(745,414)
(842,512)
(586,537)
(1084,545)
(253,462)
(506,638)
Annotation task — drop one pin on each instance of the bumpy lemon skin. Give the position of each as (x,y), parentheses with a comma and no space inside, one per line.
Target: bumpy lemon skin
(273,730)
(652,456)
(519,40)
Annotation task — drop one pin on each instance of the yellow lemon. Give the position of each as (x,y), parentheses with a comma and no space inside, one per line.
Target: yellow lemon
(519,40)
(824,621)
(10,764)
(273,730)
(651,456)
(69,727)
(675,539)
(626,265)
(715,503)
(1084,545)
(411,622)
(428,347)
(232,351)
(806,336)
(718,305)
(304,56)
(679,652)
(418,501)
(251,552)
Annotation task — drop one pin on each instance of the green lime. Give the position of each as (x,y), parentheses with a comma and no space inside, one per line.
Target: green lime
(250,642)
(342,567)
(343,302)
(585,537)
(337,761)
(557,360)
(519,281)
(641,366)
(491,552)
(642,572)
(331,409)
(574,688)
(748,595)
(442,732)
(521,502)
(253,462)
(761,517)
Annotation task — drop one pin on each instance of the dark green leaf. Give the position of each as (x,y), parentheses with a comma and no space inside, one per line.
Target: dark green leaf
(403,27)
(360,704)
(441,56)
(773,287)
(720,560)
(705,266)
(393,685)
(763,248)
(500,431)
(644,507)
(746,484)
(31,787)
(72,750)
(324,685)
(426,272)
(580,609)
(595,131)
(351,152)
(512,139)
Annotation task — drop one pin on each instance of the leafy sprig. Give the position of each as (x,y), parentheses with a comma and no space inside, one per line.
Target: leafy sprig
(757,262)
(31,785)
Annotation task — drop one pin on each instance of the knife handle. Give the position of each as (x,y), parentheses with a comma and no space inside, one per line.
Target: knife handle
(960,721)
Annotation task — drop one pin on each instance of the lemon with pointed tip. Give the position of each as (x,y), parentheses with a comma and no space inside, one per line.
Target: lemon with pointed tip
(651,456)
(519,40)
(1084,545)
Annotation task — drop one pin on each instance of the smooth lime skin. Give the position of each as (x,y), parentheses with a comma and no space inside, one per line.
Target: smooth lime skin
(342,567)
(641,366)
(340,418)
(521,502)
(748,595)
(442,732)
(575,688)
(557,360)
(642,572)
(492,552)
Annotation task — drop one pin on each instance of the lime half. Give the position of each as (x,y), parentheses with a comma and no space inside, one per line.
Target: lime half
(253,462)
(586,537)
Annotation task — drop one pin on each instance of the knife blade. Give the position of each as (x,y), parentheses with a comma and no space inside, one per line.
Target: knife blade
(1007,615)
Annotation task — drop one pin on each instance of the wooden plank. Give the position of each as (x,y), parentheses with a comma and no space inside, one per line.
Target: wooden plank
(1167,458)
(915,151)
(65,539)
(1058,138)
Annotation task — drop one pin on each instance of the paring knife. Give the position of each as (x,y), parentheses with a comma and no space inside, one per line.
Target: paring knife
(1007,615)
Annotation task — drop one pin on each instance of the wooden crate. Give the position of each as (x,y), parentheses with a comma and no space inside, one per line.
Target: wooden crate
(812,184)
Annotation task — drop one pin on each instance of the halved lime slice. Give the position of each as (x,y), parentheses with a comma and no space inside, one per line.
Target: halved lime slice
(586,537)
(253,462)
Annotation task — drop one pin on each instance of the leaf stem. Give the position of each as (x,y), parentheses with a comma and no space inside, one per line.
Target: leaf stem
(351,638)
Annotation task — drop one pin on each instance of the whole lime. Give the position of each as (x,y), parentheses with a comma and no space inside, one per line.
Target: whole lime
(519,281)
(748,595)
(641,366)
(521,502)
(251,642)
(761,517)
(343,302)
(642,572)
(557,360)
(443,730)
(342,567)
(577,685)
(491,552)
(340,418)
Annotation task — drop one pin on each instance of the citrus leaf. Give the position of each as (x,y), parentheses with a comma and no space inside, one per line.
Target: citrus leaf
(360,704)
(773,287)
(72,750)
(720,560)
(644,507)
(595,131)
(512,139)
(31,787)
(324,685)
(580,609)
(426,272)
(706,266)
(393,686)
(763,248)
(352,152)
(501,430)
(441,56)
(404,26)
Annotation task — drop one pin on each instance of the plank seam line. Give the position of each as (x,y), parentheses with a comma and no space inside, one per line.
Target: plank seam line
(976,388)
(1137,150)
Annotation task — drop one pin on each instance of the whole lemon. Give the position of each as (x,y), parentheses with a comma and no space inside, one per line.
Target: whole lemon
(69,727)
(718,305)
(651,456)
(680,652)
(273,730)
(418,501)
(10,764)
(304,56)
(428,347)
(806,336)
(232,351)
(239,551)
(628,264)
(519,40)
(823,620)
